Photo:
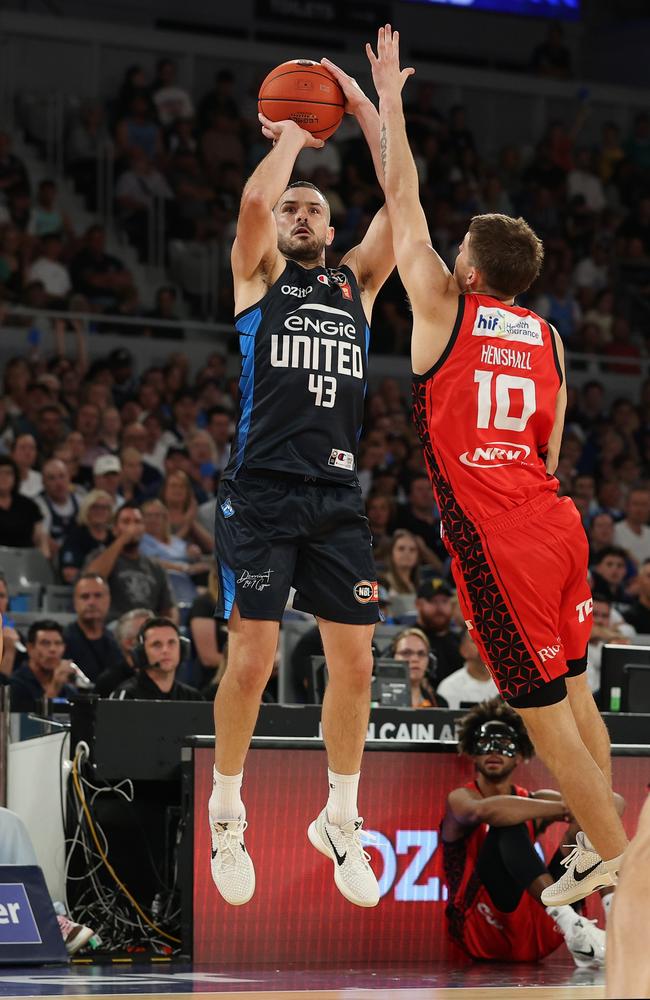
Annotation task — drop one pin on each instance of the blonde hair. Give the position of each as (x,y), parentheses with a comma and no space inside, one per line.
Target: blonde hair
(417,632)
(89,500)
(393,578)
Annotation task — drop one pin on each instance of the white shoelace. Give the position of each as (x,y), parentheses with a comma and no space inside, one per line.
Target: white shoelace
(230,844)
(574,855)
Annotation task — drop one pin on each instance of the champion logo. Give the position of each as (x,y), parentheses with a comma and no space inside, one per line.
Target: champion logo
(324,280)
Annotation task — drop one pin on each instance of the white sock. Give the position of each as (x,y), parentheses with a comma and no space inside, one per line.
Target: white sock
(564,916)
(607,901)
(225,803)
(342,801)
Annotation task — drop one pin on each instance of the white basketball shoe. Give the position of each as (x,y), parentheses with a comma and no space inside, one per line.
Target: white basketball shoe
(353,875)
(232,869)
(585,872)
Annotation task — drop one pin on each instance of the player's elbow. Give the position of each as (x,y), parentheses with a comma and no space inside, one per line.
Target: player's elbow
(254,203)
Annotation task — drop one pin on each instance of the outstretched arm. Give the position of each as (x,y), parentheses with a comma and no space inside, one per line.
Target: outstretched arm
(256,239)
(426,277)
(373,259)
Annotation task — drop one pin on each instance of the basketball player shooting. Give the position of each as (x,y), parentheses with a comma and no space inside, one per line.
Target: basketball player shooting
(289,510)
(489,400)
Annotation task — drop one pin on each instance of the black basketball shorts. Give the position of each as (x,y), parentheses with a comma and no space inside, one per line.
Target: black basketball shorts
(273,534)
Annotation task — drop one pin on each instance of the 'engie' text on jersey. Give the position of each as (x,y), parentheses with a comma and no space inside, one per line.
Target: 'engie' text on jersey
(506,356)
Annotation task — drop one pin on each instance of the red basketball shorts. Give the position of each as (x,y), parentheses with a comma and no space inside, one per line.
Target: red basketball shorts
(523,591)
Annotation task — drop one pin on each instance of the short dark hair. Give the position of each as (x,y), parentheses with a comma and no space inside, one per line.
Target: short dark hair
(7,460)
(507,252)
(308,184)
(602,598)
(158,621)
(494,710)
(43,625)
(611,550)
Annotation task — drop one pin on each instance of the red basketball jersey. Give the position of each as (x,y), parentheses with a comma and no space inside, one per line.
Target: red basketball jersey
(527,934)
(486,409)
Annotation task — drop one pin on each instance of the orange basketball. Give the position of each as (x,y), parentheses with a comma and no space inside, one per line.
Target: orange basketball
(305,92)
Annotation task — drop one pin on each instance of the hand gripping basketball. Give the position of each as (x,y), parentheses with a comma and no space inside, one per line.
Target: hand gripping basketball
(305,92)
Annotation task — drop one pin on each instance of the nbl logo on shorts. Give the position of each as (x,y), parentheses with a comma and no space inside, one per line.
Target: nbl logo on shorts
(366,591)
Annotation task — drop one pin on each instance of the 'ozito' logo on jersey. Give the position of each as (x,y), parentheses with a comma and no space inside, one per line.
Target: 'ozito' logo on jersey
(227,508)
(492,322)
(366,591)
(296,290)
(495,454)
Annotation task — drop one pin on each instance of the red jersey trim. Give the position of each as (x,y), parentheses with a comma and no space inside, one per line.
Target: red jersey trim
(450,344)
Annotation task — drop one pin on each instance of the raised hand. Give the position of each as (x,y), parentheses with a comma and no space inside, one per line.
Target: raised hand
(354,95)
(273,130)
(387,77)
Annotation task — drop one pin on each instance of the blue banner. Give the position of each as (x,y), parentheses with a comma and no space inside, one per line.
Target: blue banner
(565,9)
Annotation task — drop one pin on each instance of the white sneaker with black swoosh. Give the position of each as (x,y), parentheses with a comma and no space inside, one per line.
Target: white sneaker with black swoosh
(231,865)
(585,872)
(353,875)
(586,942)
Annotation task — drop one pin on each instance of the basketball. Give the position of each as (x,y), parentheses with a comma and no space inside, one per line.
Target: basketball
(305,92)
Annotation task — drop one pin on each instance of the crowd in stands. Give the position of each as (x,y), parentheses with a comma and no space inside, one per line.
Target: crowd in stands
(111,474)
(191,153)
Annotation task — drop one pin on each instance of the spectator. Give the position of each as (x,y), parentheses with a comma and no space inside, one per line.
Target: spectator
(209,634)
(24,454)
(103,279)
(59,502)
(50,429)
(180,561)
(126,634)
(45,218)
(110,431)
(202,453)
(600,534)
(88,143)
(171,100)
(107,473)
(165,309)
(609,626)
(11,263)
(139,480)
(471,684)
(402,575)
(87,640)
(45,674)
(49,270)
(178,497)
(21,520)
(17,376)
(220,428)
(91,530)
(13,175)
(219,100)
(380,514)
(638,615)
(157,653)
(420,517)
(134,580)
(413,647)
(137,193)
(185,413)
(137,130)
(13,650)
(435,610)
(583,180)
(608,574)
(633,533)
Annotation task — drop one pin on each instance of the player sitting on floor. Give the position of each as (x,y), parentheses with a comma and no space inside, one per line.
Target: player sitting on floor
(493,870)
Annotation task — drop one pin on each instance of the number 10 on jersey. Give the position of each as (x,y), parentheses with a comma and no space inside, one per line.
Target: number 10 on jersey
(324,389)
(504,385)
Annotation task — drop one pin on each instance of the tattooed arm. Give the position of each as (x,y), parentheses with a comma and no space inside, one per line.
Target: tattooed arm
(428,281)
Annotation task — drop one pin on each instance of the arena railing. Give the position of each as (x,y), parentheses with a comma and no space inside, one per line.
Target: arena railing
(44,333)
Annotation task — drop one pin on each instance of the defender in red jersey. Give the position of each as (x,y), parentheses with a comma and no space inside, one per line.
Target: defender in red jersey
(489,402)
(495,876)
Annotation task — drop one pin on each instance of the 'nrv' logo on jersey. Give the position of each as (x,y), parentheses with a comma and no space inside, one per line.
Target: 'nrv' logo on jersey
(494,454)
(507,326)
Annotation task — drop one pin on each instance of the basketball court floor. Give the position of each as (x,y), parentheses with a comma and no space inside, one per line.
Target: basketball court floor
(554,980)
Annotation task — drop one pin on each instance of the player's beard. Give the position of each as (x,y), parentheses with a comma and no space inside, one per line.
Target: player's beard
(308,251)
(496,776)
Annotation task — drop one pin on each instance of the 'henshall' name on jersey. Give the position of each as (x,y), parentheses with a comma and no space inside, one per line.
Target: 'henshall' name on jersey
(506,356)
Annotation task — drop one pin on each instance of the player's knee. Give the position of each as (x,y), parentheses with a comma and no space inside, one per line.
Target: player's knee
(250,673)
(355,674)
